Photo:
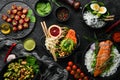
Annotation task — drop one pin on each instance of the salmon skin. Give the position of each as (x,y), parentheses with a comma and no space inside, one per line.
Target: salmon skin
(102,56)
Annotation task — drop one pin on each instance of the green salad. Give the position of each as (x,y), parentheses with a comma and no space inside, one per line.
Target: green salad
(43,8)
(22,69)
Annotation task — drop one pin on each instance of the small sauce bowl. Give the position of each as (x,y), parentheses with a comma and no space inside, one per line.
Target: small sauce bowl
(62,14)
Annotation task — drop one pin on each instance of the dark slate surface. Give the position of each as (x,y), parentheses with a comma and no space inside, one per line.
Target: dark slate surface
(76,23)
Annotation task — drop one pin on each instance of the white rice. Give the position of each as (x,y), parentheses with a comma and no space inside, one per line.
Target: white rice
(92,20)
(89,58)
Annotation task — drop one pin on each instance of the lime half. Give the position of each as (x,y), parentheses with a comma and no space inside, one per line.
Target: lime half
(29,44)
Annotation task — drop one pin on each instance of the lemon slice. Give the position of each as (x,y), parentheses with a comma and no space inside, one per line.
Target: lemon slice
(5,28)
(29,44)
(5,31)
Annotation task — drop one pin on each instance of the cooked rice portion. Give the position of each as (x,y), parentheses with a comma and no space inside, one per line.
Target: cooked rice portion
(93,20)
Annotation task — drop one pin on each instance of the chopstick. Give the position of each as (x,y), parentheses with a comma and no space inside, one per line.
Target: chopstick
(109,18)
(45,30)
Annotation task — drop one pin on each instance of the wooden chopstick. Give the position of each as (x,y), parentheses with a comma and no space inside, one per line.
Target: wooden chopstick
(45,27)
(54,56)
(110,19)
(111,16)
(45,30)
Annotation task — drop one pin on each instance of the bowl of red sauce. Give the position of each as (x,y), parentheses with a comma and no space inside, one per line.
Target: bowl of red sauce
(62,14)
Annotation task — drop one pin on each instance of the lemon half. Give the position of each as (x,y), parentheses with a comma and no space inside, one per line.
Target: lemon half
(29,44)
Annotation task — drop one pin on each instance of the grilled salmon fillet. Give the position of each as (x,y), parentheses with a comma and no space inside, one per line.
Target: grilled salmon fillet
(102,56)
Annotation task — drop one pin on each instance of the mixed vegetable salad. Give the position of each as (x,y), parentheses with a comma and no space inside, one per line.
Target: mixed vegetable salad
(63,43)
(22,69)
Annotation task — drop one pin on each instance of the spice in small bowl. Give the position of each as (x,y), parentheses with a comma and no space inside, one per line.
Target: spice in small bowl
(62,14)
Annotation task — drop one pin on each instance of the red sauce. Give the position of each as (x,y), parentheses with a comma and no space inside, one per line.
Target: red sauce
(54,31)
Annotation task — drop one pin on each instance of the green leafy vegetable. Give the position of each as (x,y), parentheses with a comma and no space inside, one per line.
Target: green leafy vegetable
(30,15)
(67,45)
(101,3)
(43,8)
(31,61)
(32,19)
(29,12)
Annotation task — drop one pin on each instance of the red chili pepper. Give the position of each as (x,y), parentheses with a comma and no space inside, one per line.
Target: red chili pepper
(112,26)
(9,51)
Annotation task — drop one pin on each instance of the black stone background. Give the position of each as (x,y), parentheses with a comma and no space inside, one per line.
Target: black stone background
(75,21)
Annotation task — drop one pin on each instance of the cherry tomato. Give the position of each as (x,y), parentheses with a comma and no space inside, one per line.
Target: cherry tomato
(82,74)
(68,68)
(70,63)
(80,79)
(85,78)
(76,76)
(78,70)
(72,72)
(74,67)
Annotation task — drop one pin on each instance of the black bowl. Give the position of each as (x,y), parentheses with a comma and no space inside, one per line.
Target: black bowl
(84,68)
(85,9)
(43,1)
(67,56)
(59,11)
(12,61)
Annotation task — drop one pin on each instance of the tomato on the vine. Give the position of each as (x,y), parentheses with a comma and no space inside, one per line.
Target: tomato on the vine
(78,70)
(82,74)
(68,68)
(72,72)
(70,63)
(74,67)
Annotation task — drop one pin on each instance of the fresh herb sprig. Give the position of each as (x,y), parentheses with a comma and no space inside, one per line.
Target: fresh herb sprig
(31,61)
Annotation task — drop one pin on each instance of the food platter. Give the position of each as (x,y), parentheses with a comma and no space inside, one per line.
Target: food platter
(45,71)
(88,50)
(19,34)
(44,42)
(94,14)
(75,22)
(4,70)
